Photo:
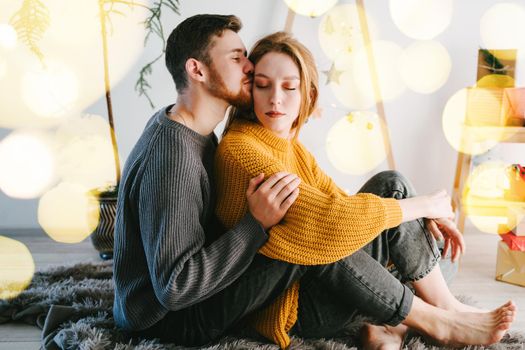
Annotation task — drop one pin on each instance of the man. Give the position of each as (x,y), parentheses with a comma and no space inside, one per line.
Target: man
(168,253)
(179,278)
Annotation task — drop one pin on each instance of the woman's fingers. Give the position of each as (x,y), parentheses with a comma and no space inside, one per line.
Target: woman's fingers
(434,229)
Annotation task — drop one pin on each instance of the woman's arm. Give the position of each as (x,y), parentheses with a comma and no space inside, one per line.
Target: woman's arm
(319,227)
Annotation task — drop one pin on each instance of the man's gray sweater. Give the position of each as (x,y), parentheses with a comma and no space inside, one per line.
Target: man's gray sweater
(170,251)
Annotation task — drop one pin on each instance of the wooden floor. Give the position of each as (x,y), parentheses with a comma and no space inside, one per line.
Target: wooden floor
(475,277)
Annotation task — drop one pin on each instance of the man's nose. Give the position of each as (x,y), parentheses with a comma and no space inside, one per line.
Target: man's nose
(248,66)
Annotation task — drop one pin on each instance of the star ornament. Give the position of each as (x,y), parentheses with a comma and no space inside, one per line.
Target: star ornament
(333,75)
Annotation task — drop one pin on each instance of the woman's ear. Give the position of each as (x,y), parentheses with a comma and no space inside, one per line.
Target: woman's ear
(195,69)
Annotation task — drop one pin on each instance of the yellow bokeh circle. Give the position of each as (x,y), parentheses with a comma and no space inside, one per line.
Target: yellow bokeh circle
(421,19)
(85,154)
(16,267)
(425,66)
(50,91)
(27,163)
(67,213)
(464,137)
(339,31)
(503,26)
(387,56)
(485,199)
(354,144)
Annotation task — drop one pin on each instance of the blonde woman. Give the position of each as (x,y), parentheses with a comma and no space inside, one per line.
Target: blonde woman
(343,243)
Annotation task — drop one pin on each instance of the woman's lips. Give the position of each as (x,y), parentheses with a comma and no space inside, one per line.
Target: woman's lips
(274,114)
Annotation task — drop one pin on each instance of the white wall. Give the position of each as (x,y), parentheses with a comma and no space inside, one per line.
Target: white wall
(419,147)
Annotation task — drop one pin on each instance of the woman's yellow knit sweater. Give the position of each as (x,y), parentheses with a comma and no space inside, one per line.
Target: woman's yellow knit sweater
(323,225)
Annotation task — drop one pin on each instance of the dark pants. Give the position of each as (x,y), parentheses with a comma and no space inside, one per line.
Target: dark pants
(330,295)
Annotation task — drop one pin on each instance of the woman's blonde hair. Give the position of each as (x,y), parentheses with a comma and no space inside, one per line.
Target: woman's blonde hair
(282,42)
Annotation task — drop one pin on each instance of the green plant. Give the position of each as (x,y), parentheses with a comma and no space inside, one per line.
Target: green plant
(493,64)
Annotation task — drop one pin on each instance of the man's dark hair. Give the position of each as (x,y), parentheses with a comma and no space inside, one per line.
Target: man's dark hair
(193,38)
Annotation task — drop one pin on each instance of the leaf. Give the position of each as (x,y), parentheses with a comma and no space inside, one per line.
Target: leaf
(30,23)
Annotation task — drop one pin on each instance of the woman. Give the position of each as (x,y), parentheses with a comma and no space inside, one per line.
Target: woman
(324,225)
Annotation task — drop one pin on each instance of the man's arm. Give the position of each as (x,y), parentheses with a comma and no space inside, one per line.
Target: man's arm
(184,271)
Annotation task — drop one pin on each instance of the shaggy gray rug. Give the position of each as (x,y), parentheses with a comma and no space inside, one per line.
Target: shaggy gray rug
(85,293)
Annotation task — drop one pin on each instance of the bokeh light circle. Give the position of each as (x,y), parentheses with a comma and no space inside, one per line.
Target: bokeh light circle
(85,154)
(470,139)
(354,144)
(50,91)
(350,93)
(16,267)
(67,213)
(425,66)
(87,161)
(503,26)
(387,57)
(484,198)
(421,19)
(311,8)
(27,164)
(339,31)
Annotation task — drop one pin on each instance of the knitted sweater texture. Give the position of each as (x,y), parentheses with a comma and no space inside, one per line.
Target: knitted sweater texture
(169,251)
(323,225)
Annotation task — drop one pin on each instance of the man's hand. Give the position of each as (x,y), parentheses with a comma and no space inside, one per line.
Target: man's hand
(445,229)
(270,201)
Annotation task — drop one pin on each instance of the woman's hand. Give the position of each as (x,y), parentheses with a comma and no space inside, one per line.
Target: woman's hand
(445,229)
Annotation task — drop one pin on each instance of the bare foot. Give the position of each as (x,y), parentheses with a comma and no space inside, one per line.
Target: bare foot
(469,328)
(460,307)
(383,337)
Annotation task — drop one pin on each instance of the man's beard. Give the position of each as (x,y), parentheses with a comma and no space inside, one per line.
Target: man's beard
(217,88)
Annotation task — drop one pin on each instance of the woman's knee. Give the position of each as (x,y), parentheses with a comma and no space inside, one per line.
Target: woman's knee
(389,183)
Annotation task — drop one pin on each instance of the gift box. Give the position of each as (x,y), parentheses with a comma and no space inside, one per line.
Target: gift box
(513,107)
(484,107)
(496,68)
(516,220)
(510,265)
(514,242)
(516,190)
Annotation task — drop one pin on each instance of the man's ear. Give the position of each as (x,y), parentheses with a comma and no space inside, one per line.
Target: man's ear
(195,69)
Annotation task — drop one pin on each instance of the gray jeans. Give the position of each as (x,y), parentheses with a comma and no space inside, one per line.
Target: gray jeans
(408,252)
(331,295)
